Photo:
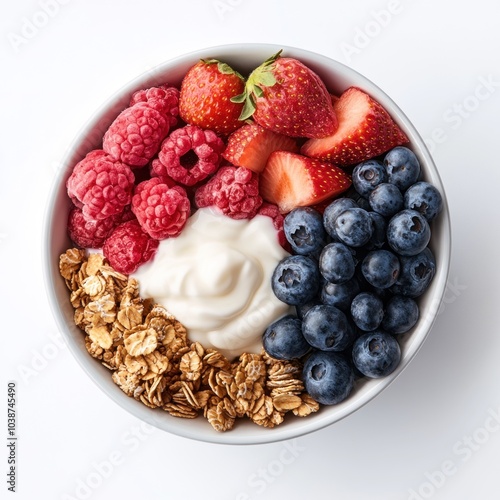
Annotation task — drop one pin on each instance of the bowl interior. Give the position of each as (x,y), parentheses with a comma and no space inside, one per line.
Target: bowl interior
(243,57)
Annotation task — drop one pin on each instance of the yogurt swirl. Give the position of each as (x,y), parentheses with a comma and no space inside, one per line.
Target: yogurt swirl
(215,278)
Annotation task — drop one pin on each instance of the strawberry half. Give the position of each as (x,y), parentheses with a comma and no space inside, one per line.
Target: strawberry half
(251,145)
(292,180)
(365,130)
(287,97)
(205,96)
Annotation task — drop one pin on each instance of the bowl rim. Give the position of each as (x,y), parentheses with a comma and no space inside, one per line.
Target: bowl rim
(321,419)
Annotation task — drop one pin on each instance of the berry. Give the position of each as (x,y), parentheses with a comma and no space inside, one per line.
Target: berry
(333,210)
(205,97)
(386,199)
(189,155)
(354,227)
(379,230)
(250,146)
(164,98)
(233,190)
(376,354)
(302,309)
(340,295)
(367,311)
(367,175)
(136,134)
(326,328)
(296,280)
(284,340)
(424,198)
(381,268)
(291,180)
(272,211)
(161,211)
(365,130)
(408,232)
(401,314)
(287,97)
(100,185)
(416,274)
(128,247)
(328,377)
(402,166)
(304,230)
(336,263)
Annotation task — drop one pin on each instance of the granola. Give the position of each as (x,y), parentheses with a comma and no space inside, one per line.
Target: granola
(153,361)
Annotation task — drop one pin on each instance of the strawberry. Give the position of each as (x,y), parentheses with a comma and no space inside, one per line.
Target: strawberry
(292,180)
(205,95)
(365,130)
(287,97)
(250,146)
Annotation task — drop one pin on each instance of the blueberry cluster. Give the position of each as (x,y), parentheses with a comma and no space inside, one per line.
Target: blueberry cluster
(355,275)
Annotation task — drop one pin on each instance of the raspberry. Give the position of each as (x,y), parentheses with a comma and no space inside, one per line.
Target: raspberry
(157,169)
(189,155)
(128,246)
(271,210)
(162,211)
(136,135)
(234,190)
(163,98)
(100,185)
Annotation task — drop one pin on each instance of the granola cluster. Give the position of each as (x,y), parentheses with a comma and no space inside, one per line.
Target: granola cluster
(153,360)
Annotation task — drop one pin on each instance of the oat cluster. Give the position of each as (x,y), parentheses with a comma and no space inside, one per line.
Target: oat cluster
(153,360)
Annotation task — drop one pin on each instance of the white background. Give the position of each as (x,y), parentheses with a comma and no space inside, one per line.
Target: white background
(432,433)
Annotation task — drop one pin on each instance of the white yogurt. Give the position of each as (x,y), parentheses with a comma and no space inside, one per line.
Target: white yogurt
(215,278)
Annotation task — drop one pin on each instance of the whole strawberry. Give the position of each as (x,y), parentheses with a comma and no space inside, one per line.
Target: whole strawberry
(205,97)
(287,97)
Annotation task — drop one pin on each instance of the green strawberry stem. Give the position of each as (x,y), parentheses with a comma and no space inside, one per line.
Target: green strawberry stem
(223,67)
(262,76)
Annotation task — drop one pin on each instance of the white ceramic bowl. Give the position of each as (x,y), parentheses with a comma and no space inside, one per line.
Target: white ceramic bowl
(242,57)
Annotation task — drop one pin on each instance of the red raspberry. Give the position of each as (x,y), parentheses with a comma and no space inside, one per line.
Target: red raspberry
(189,155)
(128,246)
(271,210)
(163,98)
(100,185)
(157,169)
(234,190)
(161,210)
(136,135)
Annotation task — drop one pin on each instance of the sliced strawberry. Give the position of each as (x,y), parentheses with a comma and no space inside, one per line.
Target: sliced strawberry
(251,145)
(365,130)
(292,180)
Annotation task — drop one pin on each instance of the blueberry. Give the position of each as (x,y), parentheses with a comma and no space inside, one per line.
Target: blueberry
(386,199)
(402,166)
(424,198)
(296,280)
(367,175)
(354,227)
(328,377)
(376,354)
(401,314)
(367,311)
(327,328)
(379,224)
(301,309)
(333,210)
(381,268)
(336,263)
(304,230)
(408,232)
(340,295)
(416,274)
(284,340)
